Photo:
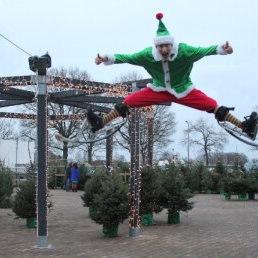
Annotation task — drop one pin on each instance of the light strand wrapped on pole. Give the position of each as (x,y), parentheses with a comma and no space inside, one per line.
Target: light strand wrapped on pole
(134,228)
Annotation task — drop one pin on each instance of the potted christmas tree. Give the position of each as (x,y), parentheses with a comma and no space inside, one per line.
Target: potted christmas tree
(227,185)
(149,196)
(6,187)
(240,187)
(207,182)
(252,184)
(24,205)
(174,196)
(92,188)
(110,204)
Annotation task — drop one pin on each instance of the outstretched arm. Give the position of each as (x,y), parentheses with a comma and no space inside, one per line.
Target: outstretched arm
(136,59)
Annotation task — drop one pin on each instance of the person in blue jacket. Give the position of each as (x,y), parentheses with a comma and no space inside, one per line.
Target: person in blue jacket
(75,175)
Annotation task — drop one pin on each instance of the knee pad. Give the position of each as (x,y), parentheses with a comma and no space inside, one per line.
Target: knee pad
(122,109)
(222,112)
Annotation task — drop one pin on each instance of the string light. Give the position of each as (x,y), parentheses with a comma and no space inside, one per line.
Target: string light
(89,87)
(77,117)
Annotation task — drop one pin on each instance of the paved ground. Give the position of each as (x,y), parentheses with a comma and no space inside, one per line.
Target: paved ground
(214,228)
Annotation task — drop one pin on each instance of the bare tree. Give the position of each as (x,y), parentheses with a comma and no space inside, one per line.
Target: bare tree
(6,129)
(206,138)
(90,148)
(72,72)
(164,127)
(7,132)
(166,155)
(68,128)
(128,77)
(228,158)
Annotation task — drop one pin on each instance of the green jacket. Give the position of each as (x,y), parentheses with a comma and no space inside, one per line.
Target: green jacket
(172,75)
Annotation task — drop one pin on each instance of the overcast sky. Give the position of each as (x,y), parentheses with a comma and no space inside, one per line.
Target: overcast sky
(73,32)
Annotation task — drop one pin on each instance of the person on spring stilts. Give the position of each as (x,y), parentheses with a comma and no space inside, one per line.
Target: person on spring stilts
(170,65)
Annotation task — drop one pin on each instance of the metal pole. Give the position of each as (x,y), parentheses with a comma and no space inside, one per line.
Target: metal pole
(42,162)
(40,65)
(42,114)
(150,124)
(17,139)
(188,143)
(109,150)
(135,172)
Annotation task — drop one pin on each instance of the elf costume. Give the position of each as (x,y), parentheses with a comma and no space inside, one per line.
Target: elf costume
(171,79)
(169,76)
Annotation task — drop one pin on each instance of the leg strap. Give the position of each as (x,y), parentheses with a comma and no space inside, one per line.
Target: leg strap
(122,109)
(222,112)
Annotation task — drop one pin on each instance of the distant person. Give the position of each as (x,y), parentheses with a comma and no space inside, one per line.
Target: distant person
(75,175)
(68,177)
(87,170)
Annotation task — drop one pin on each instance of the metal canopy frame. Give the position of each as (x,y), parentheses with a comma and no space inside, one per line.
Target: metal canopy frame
(82,94)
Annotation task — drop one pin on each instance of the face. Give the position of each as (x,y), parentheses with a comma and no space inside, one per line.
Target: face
(164,50)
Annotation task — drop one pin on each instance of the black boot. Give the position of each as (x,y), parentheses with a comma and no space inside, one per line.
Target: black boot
(95,121)
(249,126)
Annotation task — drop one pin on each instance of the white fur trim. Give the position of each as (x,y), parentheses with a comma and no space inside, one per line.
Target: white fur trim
(166,74)
(221,50)
(111,60)
(163,40)
(171,91)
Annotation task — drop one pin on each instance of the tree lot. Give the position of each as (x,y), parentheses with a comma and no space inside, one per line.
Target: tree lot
(206,137)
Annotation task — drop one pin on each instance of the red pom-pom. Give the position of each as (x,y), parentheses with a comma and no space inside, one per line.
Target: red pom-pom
(159,16)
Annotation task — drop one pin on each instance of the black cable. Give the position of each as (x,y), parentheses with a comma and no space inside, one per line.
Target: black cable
(15,44)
